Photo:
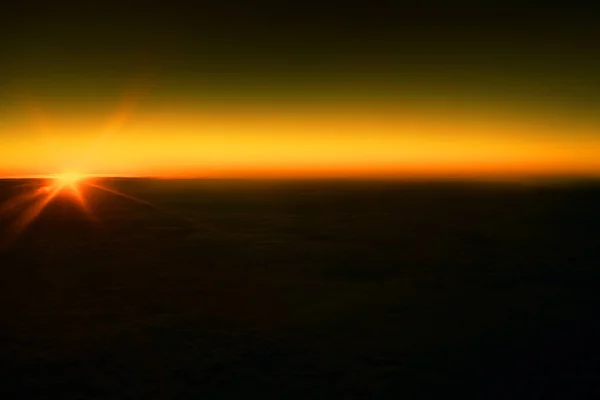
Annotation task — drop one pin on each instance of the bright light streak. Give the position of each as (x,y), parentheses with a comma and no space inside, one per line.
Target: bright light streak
(69,178)
(72,184)
(30,214)
(19,201)
(66,181)
(136,200)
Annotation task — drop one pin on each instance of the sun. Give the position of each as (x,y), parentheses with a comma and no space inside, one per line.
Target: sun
(69,184)
(69,178)
(25,208)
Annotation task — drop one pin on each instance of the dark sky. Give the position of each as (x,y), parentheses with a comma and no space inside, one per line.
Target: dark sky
(539,49)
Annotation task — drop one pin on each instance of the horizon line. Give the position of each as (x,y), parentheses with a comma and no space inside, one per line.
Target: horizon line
(516,178)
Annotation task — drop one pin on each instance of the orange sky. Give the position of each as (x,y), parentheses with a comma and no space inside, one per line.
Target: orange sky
(254,142)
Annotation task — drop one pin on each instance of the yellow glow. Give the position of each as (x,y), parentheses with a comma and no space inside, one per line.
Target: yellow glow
(402,142)
(69,178)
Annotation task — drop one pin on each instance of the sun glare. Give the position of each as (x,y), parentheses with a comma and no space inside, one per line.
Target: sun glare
(26,207)
(69,178)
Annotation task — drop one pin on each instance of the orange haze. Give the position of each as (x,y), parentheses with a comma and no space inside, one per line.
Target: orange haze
(263,143)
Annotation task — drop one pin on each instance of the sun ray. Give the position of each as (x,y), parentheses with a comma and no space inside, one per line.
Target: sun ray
(83,203)
(30,214)
(66,184)
(12,204)
(71,181)
(137,200)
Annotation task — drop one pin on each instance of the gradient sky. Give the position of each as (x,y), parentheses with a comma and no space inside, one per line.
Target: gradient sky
(269,89)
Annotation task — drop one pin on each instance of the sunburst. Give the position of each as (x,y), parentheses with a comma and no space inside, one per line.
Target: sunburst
(25,208)
(69,178)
